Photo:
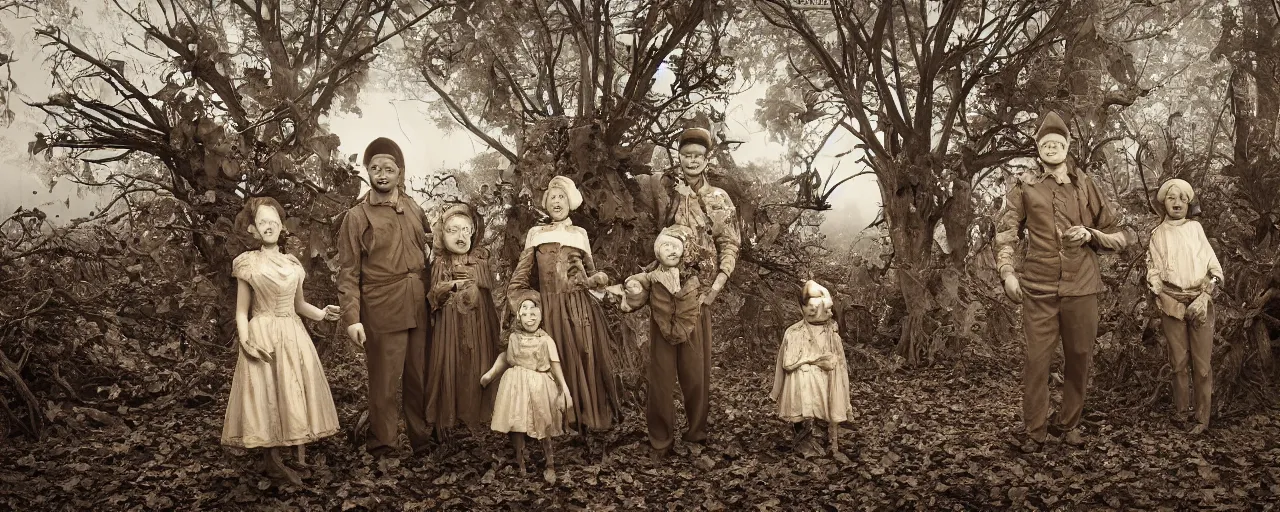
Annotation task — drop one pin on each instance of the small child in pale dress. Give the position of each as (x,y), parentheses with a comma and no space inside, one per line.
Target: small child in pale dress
(532,395)
(811,377)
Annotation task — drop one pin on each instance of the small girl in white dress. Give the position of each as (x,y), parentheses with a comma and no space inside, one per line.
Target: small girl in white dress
(811,378)
(532,395)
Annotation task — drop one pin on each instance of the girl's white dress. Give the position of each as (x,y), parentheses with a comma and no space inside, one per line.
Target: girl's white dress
(285,402)
(809,391)
(527,396)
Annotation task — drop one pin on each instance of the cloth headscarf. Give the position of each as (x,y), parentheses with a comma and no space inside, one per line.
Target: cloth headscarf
(814,290)
(437,229)
(570,191)
(1169,186)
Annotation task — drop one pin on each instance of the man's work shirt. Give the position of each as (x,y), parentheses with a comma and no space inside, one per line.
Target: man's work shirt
(381,250)
(710,214)
(1046,206)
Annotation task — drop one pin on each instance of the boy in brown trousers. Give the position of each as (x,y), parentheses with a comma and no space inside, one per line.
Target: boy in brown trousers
(1183,271)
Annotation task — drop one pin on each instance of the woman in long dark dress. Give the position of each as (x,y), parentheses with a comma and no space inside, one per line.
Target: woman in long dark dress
(556,261)
(465,335)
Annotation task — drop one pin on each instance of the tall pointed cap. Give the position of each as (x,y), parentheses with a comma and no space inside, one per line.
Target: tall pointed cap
(1052,124)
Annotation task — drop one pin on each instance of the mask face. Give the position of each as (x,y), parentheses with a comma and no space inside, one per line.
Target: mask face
(530,316)
(267,225)
(1052,152)
(1176,204)
(693,159)
(384,174)
(557,204)
(457,234)
(669,253)
(816,310)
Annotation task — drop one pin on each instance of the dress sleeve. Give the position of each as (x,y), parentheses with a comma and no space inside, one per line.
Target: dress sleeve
(1106,220)
(441,283)
(724,231)
(793,351)
(553,355)
(522,277)
(240,267)
(1215,268)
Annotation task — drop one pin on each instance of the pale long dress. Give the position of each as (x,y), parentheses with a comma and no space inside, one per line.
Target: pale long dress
(809,391)
(527,396)
(285,402)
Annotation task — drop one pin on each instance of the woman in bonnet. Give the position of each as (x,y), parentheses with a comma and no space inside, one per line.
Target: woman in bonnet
(557,263)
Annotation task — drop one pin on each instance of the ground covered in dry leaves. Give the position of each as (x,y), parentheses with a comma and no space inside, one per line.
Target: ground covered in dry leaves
(937,438)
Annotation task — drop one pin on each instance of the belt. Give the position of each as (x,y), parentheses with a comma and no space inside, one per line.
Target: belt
(392,279)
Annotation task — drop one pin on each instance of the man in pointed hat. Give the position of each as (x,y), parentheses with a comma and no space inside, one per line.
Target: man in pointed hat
(1067,222)
(382,288)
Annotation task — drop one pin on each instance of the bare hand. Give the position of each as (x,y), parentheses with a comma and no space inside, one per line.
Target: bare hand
(718,285)
(356,333)
(461,275)
(332,312)
(598,280)
(486,378)
(1012,288)
(1075,236)
(254,352)
(827,362)
(1155,288)
(634,287)
(566,401)
(1198,310)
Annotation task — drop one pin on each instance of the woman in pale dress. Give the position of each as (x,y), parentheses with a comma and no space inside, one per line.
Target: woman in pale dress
(279,395)
(811,377)
(532,395)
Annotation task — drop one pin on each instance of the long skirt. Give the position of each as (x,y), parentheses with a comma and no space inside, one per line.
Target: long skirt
(577,324)
(463,348)
(282,403)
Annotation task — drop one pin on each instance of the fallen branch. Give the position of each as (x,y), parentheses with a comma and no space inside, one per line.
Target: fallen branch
(35,419)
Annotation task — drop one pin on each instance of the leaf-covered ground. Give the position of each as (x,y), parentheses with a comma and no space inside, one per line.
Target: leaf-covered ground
(936,439)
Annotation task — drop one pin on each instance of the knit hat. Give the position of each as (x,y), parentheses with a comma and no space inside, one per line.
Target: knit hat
(1168,187)
(570,191)
(674,233)
(695,135)
(384,146)
(1053,128)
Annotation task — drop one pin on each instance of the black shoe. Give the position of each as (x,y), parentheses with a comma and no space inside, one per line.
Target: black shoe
(379,451)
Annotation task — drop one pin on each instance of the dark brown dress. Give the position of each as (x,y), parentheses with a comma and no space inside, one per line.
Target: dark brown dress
(465,341)
(574,319)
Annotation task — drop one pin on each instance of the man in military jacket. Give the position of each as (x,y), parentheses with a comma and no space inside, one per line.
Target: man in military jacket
(1066,221)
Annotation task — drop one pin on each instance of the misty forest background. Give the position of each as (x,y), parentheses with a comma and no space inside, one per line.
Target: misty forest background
(116,324)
